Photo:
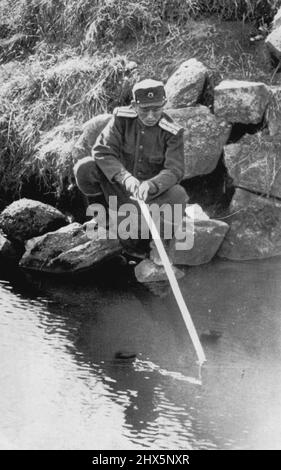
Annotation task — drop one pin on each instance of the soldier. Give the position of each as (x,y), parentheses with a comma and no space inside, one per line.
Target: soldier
(139,152)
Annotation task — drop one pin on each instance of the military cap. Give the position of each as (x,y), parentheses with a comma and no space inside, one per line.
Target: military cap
(149,93)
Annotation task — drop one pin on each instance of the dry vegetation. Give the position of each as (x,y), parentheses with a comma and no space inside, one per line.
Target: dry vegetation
(64,61)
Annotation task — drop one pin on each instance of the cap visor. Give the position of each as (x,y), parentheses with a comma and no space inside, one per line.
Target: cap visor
(149,105)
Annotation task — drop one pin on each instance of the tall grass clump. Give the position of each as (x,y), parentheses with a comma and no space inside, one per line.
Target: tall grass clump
(119,21)
(92,24)
(34,100)
(258,11)
(35,21)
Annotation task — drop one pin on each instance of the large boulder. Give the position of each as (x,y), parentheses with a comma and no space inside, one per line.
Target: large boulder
(273,112)
(68,249)
(185,86)
(25,218)
(254,163)
(255,228)
(7,249)
(204,138)
(241,101)
(208,235)
(148,271)
(273,43)
(91,130)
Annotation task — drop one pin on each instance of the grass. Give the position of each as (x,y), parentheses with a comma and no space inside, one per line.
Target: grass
(91,24)
(224,47)
(52,159)
(36,99)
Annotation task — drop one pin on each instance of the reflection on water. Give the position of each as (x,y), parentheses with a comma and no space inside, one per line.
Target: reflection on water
(64,386)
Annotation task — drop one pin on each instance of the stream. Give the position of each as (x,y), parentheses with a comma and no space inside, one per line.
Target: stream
(98,361)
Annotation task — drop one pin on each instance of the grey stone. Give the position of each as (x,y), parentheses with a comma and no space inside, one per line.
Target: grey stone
(185,86)
(273,43)
(255,228)
(204,138)
(148,271)
(68,249)
(254,163)
(241,101)
(91,130)
(273,112)
(25,218)
(204,240)
(7,249)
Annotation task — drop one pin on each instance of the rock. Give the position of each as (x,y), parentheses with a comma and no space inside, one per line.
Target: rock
(85,256)
(91,131)
(241,101)
(277,20)
(273,112)
(273,43)
(25,218)
(195,211)
(7,249)
(40,250)
(68,249)
(185,86)
(147,271)
(204,138)
(254,163)
(205,238)
(255,228)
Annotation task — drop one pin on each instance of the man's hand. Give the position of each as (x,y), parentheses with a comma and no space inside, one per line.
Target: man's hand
(146,188)
(131,184)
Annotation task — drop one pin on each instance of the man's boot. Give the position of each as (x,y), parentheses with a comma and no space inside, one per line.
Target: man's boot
(135,248)
(154,255)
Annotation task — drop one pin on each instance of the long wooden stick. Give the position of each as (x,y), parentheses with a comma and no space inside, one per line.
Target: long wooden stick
(173,282)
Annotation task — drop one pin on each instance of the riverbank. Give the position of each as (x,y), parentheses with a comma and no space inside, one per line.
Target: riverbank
(222,87)
(61,65)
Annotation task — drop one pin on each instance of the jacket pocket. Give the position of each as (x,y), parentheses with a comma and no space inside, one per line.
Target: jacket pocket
(156,158)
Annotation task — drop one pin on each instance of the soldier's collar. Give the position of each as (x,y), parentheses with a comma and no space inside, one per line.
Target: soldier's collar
(143,126)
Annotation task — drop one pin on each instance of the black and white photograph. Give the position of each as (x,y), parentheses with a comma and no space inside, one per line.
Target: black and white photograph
(140,228)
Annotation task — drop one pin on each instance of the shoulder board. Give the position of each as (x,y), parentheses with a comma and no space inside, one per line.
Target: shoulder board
(171,127)
(125,111)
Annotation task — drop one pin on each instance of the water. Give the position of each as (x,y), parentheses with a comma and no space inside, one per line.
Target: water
(62,386)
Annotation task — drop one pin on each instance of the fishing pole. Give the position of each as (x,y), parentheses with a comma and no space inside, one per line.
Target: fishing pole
(173,281)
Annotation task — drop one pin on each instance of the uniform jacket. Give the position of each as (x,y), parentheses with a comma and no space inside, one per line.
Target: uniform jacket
(154,153)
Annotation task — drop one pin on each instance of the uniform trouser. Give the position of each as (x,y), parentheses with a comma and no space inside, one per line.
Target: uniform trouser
(87,175)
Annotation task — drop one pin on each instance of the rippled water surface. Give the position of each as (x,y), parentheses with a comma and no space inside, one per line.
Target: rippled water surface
(63,385)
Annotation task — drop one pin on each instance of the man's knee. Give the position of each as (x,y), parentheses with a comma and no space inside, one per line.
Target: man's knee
(87,175)
(176,195)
